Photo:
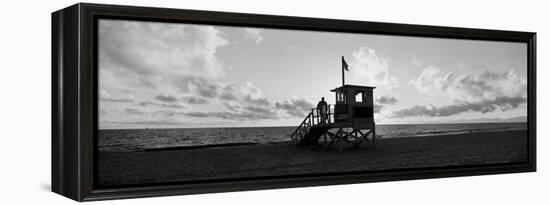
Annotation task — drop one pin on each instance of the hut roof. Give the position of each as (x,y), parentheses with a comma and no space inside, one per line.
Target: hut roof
(355,87)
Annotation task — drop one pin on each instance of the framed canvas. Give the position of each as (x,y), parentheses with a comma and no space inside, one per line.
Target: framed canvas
(156,101)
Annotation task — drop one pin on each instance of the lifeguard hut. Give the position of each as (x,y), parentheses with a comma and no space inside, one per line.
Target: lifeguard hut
(348,122)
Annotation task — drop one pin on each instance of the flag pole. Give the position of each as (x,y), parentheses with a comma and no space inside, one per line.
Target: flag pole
(343,79)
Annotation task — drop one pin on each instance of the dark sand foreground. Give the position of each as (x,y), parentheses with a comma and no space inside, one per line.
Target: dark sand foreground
(175,165)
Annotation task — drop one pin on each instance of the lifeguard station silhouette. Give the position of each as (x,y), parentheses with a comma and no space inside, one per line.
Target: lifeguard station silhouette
(349,122)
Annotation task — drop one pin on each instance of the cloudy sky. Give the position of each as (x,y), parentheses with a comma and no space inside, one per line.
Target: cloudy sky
(182,75)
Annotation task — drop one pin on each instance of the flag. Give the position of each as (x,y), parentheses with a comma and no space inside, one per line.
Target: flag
(344,64)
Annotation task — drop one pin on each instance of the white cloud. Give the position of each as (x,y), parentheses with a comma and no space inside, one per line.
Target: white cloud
(140,60)
(366,68)
(431,82)
(503,103)
(104,95)
(295,106)
(485,85)
(254,34)
(160,49)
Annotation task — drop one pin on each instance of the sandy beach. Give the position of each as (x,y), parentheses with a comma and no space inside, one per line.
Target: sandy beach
(174,165)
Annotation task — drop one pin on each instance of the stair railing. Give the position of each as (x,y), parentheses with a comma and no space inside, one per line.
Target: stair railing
(303,129)
(312,119)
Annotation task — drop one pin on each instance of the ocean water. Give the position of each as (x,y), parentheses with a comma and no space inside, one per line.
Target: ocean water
(127,140)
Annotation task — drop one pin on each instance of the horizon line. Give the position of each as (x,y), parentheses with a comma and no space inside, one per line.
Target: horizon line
(128,128)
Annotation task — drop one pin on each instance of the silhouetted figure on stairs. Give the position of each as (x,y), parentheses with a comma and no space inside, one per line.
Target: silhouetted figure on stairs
(322,110)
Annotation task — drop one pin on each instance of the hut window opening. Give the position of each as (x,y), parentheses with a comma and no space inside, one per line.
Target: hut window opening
(340,98)
(359,97)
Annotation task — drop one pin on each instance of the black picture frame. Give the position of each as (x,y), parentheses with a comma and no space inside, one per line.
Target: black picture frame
(75,97)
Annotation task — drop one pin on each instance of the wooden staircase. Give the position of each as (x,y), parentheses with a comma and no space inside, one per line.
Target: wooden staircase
(314,134)
(335,134)
(311,129)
